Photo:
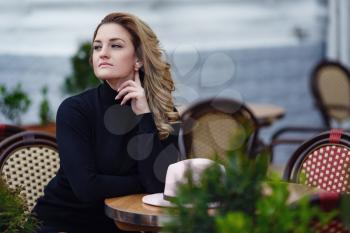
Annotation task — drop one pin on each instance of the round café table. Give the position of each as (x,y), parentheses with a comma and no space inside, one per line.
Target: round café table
(266,114)
(131,214)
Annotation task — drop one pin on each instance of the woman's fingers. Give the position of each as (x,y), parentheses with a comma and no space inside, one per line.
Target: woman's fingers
(129,96)
(132,89)
(125,90)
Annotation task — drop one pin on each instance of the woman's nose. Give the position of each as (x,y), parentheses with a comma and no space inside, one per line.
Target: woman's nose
(104,51)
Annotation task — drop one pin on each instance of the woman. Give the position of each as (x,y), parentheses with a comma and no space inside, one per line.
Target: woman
(110,138)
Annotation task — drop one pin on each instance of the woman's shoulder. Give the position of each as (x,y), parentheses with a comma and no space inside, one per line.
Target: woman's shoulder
(80,102)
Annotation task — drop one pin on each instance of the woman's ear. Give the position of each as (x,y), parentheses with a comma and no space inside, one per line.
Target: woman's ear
(138,64)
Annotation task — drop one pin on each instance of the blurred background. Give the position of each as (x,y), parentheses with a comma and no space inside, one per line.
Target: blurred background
(260,51)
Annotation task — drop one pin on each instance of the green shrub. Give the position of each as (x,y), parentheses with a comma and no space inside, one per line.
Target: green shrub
(82,76)
(243,206)
(14,103)
(14,213)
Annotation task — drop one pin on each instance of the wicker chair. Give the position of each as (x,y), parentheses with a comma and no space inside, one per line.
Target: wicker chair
(7,131)
(29,161)
(323,162)
(330,88)
(213,126)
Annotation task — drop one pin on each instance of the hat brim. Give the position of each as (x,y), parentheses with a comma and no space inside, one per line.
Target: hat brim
(156,199)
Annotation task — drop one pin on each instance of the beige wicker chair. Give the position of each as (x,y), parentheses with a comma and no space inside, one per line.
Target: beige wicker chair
(29,161)
(214,126)
(330,86)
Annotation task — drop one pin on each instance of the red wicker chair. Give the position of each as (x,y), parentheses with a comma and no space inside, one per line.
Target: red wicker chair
(323,162)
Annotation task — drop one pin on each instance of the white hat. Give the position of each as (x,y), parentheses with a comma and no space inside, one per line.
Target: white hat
(176,174)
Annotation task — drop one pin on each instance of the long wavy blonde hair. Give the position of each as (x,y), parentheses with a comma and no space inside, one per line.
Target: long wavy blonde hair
(157,81)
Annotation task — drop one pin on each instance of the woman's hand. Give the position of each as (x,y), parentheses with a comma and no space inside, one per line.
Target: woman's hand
(133,90)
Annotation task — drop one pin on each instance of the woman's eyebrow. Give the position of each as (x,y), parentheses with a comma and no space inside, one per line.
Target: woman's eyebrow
(112,39)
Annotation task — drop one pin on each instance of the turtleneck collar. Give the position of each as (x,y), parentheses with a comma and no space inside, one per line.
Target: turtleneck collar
(108,94)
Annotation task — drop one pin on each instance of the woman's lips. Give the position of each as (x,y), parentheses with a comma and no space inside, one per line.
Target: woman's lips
(103,64)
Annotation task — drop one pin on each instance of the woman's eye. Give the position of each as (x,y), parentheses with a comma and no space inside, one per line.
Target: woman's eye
(116,46)
(97,47)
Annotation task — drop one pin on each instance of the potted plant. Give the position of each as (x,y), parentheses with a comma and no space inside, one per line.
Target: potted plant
(244,207)
(14,103)
(14,214)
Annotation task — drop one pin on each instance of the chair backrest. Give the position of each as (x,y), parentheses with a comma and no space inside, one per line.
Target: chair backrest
(213,126)
(322,161)
(330,86)
(29,161)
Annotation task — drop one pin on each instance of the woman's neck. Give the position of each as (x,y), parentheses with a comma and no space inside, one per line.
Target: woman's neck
(115,83)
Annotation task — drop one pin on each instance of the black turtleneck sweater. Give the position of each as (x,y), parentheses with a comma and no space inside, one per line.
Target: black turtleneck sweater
(105,151)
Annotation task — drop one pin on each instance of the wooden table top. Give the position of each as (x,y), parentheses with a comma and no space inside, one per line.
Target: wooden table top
(265,113)
(130,213)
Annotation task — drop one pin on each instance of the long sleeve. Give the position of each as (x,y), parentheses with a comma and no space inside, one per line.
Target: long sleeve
(74,138)
(155,154)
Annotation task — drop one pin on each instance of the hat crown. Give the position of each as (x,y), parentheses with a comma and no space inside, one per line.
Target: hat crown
(176,173)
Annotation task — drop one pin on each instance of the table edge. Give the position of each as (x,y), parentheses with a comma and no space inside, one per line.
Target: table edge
(136,218)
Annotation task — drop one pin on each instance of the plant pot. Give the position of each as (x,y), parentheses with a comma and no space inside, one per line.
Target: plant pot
(48,128)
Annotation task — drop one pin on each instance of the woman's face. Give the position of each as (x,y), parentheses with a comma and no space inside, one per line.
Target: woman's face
(113,53)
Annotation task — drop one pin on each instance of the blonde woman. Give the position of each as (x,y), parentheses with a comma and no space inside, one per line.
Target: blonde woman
(111,137)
